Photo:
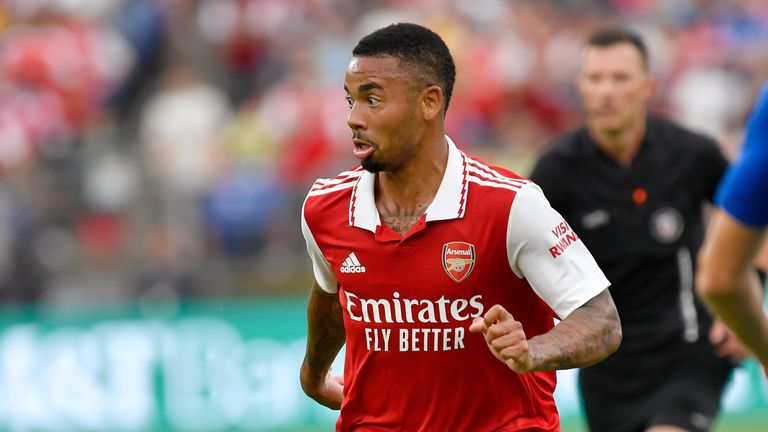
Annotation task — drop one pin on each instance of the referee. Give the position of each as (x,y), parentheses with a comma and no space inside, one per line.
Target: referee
(632,186)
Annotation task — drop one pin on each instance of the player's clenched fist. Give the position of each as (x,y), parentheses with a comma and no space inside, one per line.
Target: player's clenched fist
(505,338)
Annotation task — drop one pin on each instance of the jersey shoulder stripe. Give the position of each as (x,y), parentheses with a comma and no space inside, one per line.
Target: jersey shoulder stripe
(342,181)
(486,171)
(492,183)
(342,177)
(335,188)
(485,175)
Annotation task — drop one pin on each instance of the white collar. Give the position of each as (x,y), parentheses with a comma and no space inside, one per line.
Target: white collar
(449,202)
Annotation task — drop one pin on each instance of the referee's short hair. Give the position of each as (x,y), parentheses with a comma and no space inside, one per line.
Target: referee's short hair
(613,35)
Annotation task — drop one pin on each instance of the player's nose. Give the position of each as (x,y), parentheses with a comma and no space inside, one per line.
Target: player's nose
(355,118)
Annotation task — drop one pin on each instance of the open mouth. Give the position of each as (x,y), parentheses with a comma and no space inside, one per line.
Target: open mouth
(363,149)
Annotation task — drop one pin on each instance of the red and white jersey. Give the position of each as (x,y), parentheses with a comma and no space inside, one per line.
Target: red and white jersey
(488,237)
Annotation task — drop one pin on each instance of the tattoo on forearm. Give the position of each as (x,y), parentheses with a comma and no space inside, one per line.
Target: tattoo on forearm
(590,334)
(326,333)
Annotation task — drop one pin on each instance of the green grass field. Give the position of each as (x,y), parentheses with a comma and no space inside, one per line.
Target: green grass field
(728,423)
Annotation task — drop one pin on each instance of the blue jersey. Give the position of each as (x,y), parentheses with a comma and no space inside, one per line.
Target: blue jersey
(743,193)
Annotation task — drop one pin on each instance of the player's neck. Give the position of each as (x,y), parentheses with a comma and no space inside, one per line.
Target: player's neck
(621,145)
(403,196)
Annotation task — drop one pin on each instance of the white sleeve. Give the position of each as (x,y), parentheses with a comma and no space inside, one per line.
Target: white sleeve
(320,266)
(542,248)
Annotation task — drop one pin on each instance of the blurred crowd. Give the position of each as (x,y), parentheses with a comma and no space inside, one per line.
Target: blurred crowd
(161,149)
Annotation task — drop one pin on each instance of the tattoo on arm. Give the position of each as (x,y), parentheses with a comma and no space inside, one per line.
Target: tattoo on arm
(589,334)
(326,334)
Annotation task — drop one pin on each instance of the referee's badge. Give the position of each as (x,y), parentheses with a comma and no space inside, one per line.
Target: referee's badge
(666,225)
(458,259)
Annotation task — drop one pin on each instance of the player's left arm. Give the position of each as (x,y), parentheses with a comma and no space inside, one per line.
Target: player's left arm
(544,249)
(589,334)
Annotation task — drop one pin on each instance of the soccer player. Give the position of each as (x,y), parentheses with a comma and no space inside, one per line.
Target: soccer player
(633,186)
(425,259)
(725,277)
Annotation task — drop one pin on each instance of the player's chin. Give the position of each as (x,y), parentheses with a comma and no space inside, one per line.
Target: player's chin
(607,125)
(371,165)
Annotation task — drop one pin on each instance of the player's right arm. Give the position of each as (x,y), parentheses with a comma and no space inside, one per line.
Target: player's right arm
(325,338)
(325,334)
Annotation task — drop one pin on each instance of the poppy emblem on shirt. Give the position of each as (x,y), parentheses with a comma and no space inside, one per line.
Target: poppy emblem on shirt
(458,260)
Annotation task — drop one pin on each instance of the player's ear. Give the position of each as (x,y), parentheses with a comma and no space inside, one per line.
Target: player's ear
(431,102)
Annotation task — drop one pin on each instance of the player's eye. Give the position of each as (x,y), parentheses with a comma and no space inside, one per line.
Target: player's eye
(349,101)
(372,101)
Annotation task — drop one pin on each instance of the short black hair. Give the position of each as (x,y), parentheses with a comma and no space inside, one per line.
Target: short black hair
(614,35)
(414,46)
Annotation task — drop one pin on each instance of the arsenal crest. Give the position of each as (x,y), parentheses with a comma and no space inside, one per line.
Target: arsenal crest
(458,260)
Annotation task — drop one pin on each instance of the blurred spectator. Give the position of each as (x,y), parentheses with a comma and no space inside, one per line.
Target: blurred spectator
(181,127)
(20,274)
(238,211)
(77,59)
(142,23)
(124,121)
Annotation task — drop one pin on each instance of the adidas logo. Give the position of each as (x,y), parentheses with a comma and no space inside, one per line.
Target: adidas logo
(352,265)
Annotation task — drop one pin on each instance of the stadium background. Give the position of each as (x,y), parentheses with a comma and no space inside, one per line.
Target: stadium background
(154,155)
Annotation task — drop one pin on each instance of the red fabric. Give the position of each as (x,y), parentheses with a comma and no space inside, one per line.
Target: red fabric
(446,379)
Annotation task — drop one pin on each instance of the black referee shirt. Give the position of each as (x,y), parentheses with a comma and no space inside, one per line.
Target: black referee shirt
(642,223)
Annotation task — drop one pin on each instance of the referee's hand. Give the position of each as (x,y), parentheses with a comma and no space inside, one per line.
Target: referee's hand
(505,338)
(727,344)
